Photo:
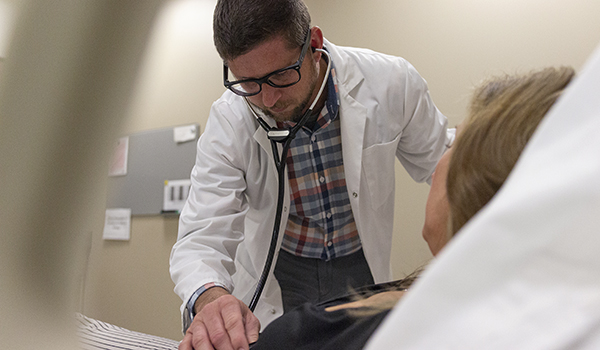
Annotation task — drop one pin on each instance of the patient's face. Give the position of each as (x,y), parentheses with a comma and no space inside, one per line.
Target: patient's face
(435,230)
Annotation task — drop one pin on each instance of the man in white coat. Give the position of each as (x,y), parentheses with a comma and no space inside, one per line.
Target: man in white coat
(354,112)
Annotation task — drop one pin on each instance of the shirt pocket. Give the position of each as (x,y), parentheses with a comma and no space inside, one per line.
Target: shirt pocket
(378,168)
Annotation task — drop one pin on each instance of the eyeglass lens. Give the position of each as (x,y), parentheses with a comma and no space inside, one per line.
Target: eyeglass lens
(281,79)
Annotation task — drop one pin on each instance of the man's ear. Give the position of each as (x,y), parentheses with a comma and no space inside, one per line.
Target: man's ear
(316,41)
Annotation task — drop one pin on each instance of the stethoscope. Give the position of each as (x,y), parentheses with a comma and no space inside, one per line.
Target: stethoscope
(285,137)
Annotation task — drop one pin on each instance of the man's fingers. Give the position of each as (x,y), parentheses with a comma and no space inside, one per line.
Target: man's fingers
(252,326)
(224,324)
(196,337)
(233,322)
(186,342)
(251,323)
(201,339)
(212,315)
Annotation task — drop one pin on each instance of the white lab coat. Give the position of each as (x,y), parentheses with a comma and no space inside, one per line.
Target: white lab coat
(226,226)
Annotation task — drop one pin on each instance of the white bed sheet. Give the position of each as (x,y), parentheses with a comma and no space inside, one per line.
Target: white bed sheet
(98,335)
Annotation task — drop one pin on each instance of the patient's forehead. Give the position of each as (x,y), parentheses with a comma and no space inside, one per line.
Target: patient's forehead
(437,211)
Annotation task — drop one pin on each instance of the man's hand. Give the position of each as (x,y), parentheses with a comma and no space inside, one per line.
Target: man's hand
(222,322)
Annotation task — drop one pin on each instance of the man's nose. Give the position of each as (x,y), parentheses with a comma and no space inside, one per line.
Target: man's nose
(270,95)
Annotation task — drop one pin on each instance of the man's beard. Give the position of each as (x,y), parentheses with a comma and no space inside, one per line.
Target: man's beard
(299,110)
(294,116)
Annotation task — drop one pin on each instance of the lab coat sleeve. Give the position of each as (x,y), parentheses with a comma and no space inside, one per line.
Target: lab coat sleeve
(212,221)
(399,110)
(425,134)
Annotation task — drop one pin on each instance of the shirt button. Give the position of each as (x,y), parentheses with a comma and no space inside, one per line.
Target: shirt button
(273,311)
(354,194)
(329,244)
(322,179)
(329,215)
(313,138)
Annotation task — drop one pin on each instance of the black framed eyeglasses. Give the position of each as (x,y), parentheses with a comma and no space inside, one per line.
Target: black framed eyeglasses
(280,78)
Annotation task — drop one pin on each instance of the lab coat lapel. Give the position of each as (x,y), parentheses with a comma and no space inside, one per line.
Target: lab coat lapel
(352,120)
(260,136)
(353,116)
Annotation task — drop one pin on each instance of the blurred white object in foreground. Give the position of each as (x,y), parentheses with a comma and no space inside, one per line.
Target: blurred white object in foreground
(525,272)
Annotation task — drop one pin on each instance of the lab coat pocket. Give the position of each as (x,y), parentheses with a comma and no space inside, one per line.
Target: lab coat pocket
(378,170)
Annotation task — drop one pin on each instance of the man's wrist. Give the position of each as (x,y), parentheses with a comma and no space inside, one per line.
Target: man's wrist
(208,296)
(190,309)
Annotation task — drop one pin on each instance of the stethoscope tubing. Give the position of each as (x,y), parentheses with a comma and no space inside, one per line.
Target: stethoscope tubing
(279,136)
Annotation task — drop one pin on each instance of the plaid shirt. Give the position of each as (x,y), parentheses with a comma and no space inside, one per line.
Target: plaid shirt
(321,224)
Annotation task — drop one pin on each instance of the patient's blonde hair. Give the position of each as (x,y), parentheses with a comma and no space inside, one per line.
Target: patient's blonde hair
(504,113)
